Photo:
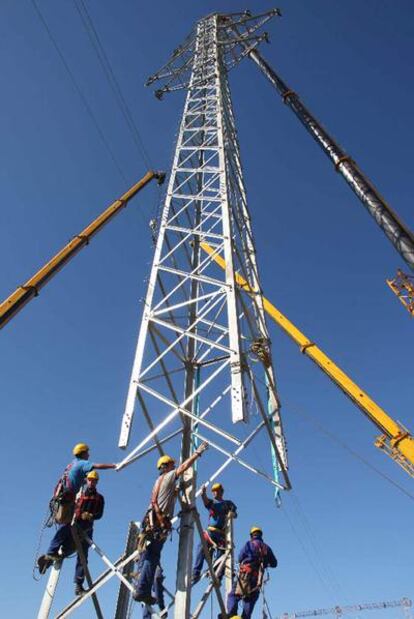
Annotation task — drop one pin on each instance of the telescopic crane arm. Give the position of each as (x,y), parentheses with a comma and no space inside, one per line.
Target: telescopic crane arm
(395,440)
(396,231)
(23,294)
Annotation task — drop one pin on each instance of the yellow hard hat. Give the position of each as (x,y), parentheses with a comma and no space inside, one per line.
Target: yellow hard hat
(93,475)
(79,448)
(235,617)
(164,460)
(217,487)
(255,530)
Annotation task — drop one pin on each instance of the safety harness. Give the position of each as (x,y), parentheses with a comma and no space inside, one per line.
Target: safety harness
(91,502)
(156,524)
(62,503)
(251,571)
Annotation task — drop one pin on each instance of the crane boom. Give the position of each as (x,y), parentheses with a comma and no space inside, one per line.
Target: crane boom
(403,287)
(395,440)
(396,231)
(338,611)
(23,294)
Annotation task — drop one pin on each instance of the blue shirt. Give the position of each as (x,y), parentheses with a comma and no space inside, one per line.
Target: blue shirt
(256,551)
(78,469)
(218,512)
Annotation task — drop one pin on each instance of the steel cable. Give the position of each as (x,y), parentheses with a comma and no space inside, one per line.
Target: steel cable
(111,78)
(78,90)
(352,452)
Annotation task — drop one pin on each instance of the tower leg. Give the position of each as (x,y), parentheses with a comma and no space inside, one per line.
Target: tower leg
(50,590)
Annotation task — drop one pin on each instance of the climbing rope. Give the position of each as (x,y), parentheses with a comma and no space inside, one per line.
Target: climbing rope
(45,524)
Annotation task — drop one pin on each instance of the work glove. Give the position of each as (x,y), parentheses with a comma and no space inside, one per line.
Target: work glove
(202,448)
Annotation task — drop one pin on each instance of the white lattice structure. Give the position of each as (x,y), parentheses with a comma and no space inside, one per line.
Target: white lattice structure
(203,356)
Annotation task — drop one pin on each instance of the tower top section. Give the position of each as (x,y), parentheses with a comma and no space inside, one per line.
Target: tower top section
(237,34)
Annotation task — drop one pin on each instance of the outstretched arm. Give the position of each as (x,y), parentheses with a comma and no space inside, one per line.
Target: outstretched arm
(190,461)
(104,466)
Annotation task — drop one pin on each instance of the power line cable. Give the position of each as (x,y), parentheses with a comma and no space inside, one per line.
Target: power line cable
(327,568)
(78,90)
(325,585)
(111,78)
(353,453)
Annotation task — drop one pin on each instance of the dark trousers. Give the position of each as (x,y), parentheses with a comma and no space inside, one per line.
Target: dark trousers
(248,604)
(63,539)
(149,561)
(158,590)
(200,558)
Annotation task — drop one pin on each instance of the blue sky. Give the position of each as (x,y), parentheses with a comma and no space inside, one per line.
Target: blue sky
(343,535)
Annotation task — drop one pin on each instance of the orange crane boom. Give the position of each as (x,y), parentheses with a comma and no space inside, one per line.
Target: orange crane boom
(23,294)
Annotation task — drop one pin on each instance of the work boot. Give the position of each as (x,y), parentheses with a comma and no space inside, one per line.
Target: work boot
(144,598)
(195,578)
(45,561)
(79,590)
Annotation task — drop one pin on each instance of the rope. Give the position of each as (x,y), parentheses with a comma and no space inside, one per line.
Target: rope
(45,524)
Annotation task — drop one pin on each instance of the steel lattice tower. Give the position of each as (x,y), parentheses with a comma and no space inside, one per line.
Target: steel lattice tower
(203,345)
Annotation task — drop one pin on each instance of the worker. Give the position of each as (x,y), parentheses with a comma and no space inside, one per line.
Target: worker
(89,507)
(254,558)
(63,501)
(215,534)
(157,520)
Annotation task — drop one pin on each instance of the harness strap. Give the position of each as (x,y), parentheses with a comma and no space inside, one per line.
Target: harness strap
(162,520)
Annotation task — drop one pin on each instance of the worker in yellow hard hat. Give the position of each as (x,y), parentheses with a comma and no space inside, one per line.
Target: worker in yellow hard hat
(75,473)
(157,521)
(89,506)
(254,558)
(215,535)
(62,504)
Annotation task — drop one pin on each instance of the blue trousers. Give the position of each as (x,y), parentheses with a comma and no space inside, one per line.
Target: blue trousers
(63,539)
(200,558)
(248,604)
(149,561)
(158,590)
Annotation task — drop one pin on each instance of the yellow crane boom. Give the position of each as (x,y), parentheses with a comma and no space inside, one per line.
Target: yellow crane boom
(23,294)
(395,440)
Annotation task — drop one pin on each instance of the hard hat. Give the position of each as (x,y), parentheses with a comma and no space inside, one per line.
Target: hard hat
(93,475)
(79,448)
(235,617)
(255,530)
(217,487)
(164,460)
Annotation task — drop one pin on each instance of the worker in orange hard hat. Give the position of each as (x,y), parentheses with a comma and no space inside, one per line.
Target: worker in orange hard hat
(254,558)
(157,521)
(215,534)
(89,506)
(62,504)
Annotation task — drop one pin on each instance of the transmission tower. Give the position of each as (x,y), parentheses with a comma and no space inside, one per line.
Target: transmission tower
(203,346)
